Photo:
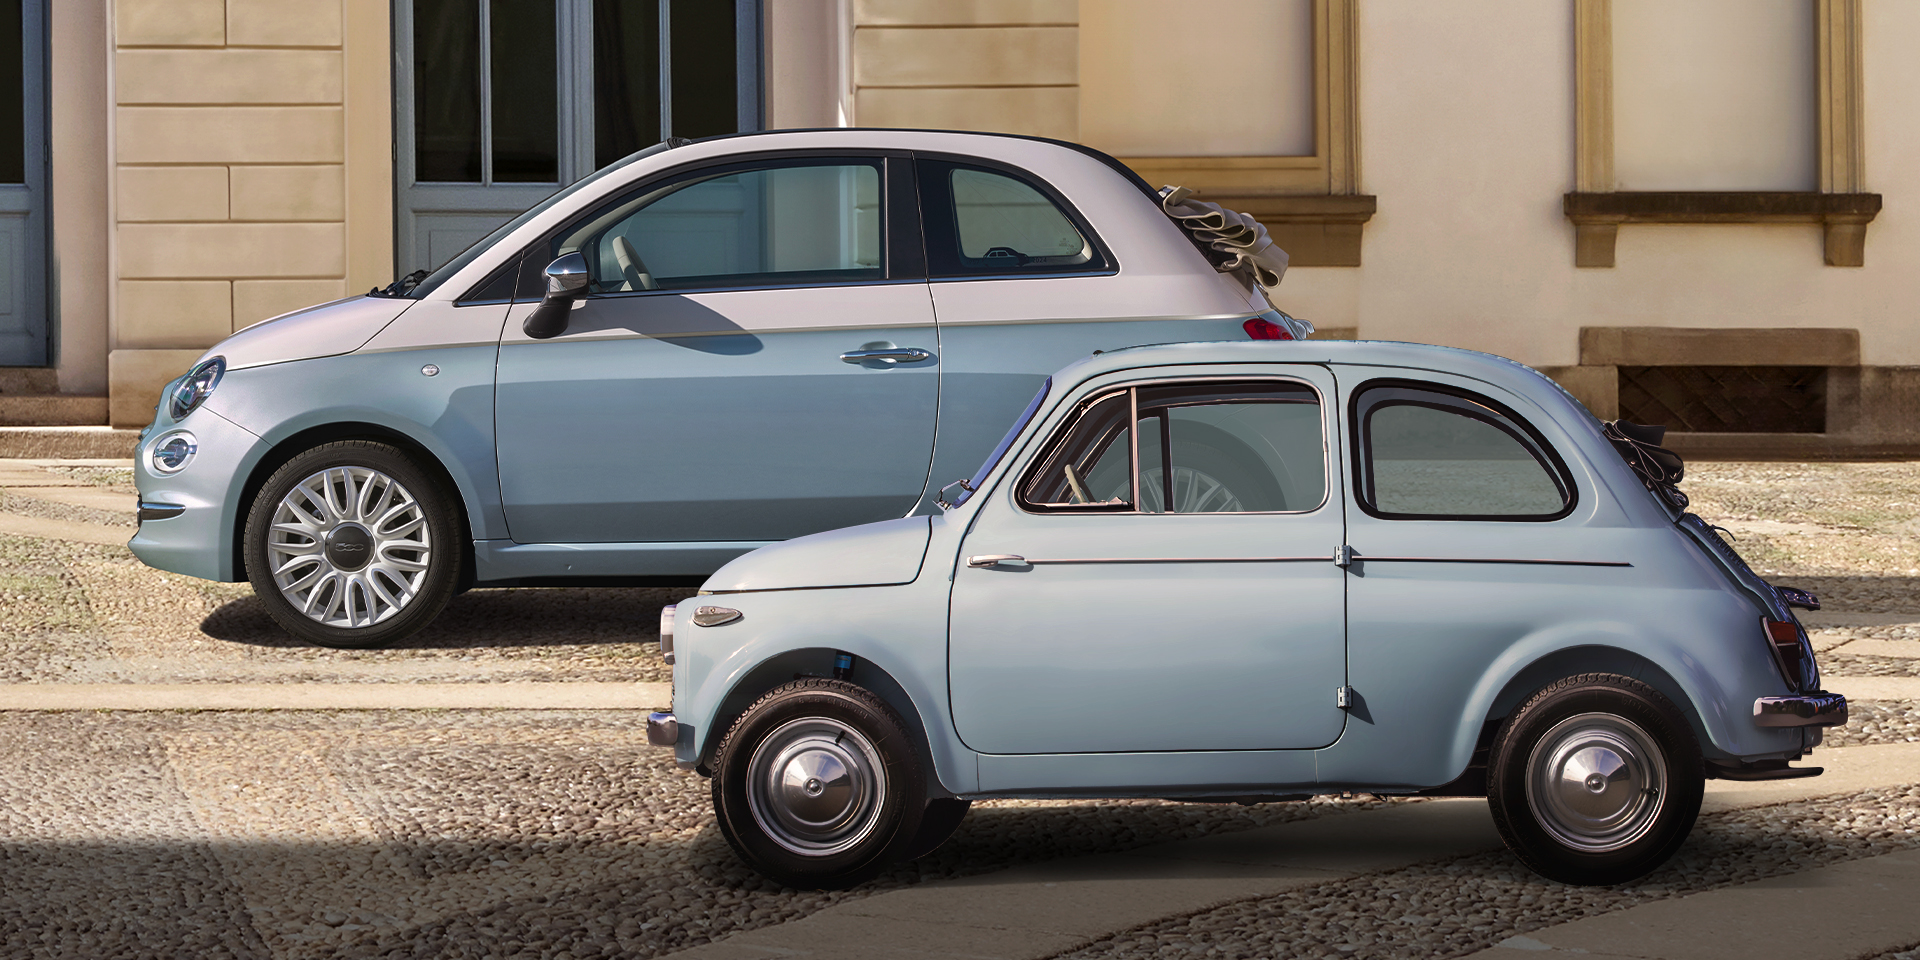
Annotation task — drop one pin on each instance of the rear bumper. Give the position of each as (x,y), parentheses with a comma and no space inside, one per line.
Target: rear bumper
(1808,710)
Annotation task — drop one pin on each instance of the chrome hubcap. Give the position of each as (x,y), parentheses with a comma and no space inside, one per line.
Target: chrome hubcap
(349,546)
(814,786)
(1596,782)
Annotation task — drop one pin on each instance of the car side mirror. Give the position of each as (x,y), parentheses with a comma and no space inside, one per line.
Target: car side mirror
(567,280)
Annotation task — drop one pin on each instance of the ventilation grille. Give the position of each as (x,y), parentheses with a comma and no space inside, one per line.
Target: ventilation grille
(1726,399)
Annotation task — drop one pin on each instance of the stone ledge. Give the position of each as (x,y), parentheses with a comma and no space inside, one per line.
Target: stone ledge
(1720,346)
(1597,217)
(67,443)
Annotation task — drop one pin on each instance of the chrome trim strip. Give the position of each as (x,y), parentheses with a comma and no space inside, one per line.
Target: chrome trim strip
(1321,559)
(1194,316)
(1553,563)
(159,511)
(1811,710)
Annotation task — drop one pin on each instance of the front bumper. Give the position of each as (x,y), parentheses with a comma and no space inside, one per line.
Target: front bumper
(663,729)
(1809,710)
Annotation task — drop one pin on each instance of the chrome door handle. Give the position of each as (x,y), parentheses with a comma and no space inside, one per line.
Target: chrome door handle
(888,355)
(992,559)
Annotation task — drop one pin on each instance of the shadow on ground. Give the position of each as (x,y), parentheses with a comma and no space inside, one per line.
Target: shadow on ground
(491,618)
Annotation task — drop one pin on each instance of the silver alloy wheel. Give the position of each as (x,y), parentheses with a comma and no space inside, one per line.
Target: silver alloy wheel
(349,546)
(1596,782)
(814,786)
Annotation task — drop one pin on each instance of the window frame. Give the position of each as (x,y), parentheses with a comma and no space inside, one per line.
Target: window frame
(902,254)
(1043,460)
(941,239)
(1358,417)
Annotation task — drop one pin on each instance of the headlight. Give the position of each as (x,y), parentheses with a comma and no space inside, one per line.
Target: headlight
(194,389)
(666,633)
(172,453)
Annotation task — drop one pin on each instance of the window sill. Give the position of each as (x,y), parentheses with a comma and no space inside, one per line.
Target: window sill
(1315,230)
(1844,216)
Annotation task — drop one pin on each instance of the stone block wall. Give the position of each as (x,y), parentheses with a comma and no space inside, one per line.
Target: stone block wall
(1010,66)
(251,173)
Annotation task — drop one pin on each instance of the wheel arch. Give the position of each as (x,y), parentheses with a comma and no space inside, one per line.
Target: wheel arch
(1589,658)
(297,443)
(788,665)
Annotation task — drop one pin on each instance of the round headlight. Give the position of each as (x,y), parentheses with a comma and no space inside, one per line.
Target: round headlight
(194,388)
(173,452)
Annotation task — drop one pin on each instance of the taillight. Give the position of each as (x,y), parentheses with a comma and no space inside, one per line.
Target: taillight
(1784,635)
(1262,329)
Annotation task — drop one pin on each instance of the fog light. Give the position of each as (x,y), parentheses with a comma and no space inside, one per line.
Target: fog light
(173,453)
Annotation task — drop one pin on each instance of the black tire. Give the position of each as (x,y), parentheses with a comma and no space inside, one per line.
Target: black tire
(819,833)
(402,581)
(1596,779)
(937,824)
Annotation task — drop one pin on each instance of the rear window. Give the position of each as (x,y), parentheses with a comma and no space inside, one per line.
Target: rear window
(1431,454)
(982,222)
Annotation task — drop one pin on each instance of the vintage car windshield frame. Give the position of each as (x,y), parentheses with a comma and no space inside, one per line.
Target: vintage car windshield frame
(1359,414)
(1044,461)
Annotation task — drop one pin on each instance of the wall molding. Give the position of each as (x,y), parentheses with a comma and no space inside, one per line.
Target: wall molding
(1840,206)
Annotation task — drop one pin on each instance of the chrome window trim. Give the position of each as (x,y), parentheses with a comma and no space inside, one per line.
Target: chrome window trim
(625,294)
(1326,451)
(1114,272)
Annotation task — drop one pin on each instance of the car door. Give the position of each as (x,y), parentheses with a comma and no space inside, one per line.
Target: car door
(1469,531)
(756,360)
(1160,578)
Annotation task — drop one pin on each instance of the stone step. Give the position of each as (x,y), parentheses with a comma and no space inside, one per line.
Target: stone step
(29,380)
(67,443)
(51,410)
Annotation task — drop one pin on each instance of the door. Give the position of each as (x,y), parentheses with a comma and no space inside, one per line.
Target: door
(753,364)
(1170,582)
(23,184)
(502,102)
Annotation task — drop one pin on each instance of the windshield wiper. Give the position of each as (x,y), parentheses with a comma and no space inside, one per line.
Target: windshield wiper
(400,287)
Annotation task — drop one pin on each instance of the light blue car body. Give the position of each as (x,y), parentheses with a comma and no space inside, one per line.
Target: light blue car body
(568,455)
(1139,678)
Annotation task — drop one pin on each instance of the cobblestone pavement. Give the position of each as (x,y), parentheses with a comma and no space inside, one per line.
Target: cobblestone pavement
(560,834)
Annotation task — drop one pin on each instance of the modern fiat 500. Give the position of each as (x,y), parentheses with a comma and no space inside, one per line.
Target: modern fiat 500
(1254,572)
(835,315)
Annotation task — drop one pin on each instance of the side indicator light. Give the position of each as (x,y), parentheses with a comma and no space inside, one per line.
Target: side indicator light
(1263,329)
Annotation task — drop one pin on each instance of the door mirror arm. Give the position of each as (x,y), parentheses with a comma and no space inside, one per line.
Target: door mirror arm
(567,279)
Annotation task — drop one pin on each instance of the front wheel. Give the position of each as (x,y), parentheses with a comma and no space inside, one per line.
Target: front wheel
(817,785)
(1596,779)
(351,545)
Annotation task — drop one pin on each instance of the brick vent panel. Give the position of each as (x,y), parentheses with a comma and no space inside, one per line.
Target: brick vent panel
(1697,399)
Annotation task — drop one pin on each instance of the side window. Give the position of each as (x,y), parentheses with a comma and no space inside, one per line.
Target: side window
(1219,447)
(986,222)
(816,222)
(1425,453)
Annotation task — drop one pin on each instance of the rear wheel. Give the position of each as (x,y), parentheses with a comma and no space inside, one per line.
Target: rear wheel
(817,785)
(1596,779)
(352,545)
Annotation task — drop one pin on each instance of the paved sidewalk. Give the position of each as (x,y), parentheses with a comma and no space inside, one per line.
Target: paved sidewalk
(575,695)
(1034,912)
(1849,910)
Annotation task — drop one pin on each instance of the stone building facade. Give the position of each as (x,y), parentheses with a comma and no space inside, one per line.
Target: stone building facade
(1688,211)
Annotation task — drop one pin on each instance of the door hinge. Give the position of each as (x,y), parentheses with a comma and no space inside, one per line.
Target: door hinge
(1343,697)
(1343,555)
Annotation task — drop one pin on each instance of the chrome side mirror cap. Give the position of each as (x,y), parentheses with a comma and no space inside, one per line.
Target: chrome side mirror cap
(567,280)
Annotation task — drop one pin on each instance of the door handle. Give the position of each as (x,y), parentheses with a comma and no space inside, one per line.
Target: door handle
(889,355)
(993,559)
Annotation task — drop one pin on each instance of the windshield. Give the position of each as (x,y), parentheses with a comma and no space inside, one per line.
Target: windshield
(433,280)
(993,459)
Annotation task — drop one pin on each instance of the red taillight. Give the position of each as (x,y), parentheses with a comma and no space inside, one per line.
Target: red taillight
(1262,329)
(1785,637)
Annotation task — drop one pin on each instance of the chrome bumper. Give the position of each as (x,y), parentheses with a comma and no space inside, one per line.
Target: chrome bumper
(1810,710)
(663,729)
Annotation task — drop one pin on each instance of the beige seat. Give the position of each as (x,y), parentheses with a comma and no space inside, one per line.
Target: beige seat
(632,267)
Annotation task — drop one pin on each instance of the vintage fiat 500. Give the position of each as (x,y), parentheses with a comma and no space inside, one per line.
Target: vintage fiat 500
(1229,571)
(840,313)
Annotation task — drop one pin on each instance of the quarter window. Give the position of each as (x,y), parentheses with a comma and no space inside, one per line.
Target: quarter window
(986,222)
(1215,447)
(1428,454)
(807,223)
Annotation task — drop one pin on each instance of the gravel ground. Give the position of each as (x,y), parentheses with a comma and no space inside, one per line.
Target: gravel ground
(430,834)
(1875,721)
(82,613)
(1461,905)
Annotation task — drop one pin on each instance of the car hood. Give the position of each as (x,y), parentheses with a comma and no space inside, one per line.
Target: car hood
(869,555)
(325,330)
